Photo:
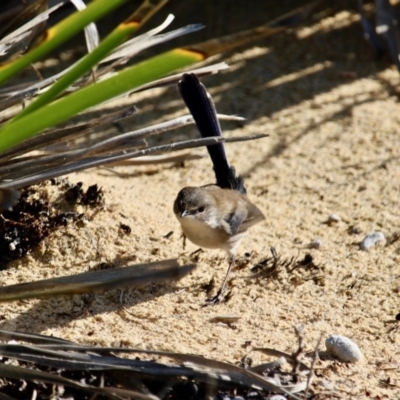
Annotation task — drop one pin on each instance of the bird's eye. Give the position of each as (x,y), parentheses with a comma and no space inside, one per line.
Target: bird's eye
(200,210)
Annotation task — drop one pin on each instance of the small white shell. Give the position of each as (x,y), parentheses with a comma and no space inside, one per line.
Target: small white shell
(343,348)
(371,239)
(277,397)
(334,218)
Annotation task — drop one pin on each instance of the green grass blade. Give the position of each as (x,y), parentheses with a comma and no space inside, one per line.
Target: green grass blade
(59,111)
(58,34)
(118,36)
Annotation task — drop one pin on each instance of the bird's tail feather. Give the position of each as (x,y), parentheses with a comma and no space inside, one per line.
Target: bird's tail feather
(202,108)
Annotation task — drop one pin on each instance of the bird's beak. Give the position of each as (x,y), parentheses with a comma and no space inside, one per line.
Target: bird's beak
(184,213)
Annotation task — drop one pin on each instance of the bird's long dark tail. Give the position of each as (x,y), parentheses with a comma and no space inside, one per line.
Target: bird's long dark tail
(202,108)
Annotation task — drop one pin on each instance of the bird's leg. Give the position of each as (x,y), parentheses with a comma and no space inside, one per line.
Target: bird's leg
(218,297)
(184,245)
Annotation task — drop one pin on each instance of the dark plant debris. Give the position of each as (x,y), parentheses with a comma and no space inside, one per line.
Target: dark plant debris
(125,228)
(168,235)
(393,238)
(270,266)
(83,372)
(297,271)
(35,216)
(93,196)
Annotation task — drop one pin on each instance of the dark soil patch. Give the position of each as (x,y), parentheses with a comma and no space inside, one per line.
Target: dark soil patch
(36,215)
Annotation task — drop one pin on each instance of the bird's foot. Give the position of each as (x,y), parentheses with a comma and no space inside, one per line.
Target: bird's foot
(218,298)
(196,252)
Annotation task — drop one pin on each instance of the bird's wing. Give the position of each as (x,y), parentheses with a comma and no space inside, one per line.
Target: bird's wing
(244,217)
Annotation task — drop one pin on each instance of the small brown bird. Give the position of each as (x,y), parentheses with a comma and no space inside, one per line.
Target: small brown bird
(214,216)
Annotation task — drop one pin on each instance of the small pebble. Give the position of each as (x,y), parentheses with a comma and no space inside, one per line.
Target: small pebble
(278,397)
(315,244)
(343,349)
(333,219)
(371,239)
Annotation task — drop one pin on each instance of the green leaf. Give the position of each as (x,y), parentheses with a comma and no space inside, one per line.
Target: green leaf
(61,110)
(118,36)
(59,34)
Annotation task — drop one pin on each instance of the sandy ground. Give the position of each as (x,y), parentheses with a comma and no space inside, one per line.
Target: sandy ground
(332,114)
